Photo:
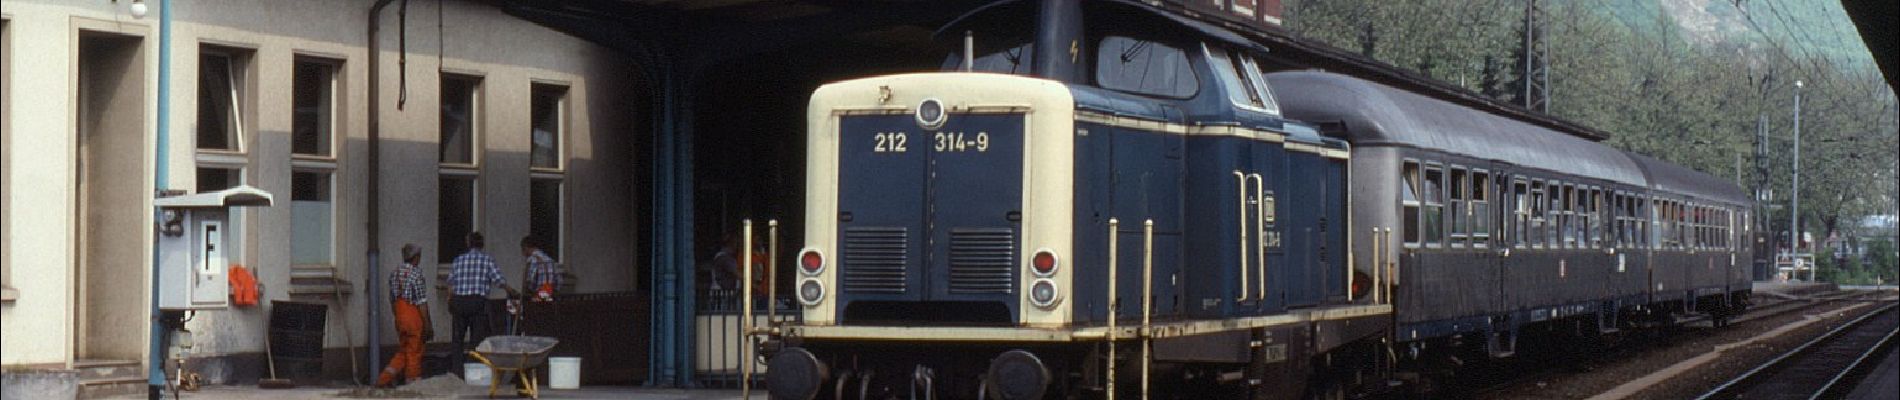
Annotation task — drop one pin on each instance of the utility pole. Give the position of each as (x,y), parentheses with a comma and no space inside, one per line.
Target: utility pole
(1794,212)
(1536,56)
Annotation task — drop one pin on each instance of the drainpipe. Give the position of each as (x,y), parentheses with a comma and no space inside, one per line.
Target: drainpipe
(155,367)
(374,236)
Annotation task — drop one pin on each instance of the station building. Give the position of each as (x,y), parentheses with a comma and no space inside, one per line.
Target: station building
(477,121)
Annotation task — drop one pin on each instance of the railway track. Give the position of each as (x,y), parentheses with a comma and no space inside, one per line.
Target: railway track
(1549,368)
(1825,367)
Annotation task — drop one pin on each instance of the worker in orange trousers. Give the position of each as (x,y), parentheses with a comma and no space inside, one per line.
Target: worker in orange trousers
(409,296)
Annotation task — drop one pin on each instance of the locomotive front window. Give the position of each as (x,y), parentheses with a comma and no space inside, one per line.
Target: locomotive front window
(1144,67)
(1003,57)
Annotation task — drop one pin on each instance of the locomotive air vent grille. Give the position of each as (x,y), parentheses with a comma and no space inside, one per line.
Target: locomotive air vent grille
(874,259)
(982,260)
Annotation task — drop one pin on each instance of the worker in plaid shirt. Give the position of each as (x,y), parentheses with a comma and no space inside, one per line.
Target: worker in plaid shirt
(409,296)
(470,278)
(543,274)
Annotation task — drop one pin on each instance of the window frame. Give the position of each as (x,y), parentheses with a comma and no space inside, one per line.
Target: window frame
(1480,205)
(558,174)
(330,178)
(239,62)
(7,292)
(1243,70)
(1434,204)
(477,106)
(1457,200)
(333,147)
(1410,174)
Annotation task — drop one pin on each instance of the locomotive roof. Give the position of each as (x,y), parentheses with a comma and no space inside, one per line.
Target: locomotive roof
(1668,177)
(1376,114)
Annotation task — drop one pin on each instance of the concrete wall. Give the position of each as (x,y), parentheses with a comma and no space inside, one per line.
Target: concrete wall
(599,239)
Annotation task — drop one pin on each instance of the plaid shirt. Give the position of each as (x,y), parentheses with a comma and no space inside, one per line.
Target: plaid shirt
(473,274)
(407,284)
(541,269)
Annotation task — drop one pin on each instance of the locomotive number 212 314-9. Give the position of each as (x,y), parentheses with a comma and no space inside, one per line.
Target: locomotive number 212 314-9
(952,142)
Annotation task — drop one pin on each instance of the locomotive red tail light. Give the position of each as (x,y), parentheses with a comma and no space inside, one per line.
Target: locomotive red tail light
(1044,263)
(810,262)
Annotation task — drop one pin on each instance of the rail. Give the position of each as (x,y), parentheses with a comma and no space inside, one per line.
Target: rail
(1827,356)
(720,346)
(1145,334)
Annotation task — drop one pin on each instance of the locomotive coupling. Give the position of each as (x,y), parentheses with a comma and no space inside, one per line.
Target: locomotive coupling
(796,374)
(1016,375)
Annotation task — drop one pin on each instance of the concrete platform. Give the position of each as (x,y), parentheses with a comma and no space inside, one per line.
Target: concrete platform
(1792,289)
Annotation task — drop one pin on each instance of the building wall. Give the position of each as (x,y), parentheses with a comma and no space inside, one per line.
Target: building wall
(508,53)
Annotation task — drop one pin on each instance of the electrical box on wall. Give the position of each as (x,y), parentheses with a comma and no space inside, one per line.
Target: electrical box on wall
(193,235)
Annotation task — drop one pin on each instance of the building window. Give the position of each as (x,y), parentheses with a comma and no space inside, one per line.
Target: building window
(312,216)
(458,211)
(544,213)
(548,161)
(461,120)
(313,108)
(221,100)
(549,130)
(459,195)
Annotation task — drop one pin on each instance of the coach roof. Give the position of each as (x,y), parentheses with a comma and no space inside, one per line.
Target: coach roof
(1673,178)
(1378,115)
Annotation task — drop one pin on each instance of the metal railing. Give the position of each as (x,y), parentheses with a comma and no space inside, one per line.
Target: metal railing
(728,330)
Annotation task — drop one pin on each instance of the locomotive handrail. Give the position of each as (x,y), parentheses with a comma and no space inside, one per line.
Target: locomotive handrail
(1240,180)
(1260,230)
(1147,299)
(1114,227)
(745,299)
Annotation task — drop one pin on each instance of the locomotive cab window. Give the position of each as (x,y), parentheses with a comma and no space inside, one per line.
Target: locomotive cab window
(1144,67)
(1240,77)
(1003,42)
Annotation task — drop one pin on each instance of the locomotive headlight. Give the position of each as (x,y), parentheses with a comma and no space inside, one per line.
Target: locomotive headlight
(1044,293)
(1044,263)
(930,114)
(811,262)
(810,292)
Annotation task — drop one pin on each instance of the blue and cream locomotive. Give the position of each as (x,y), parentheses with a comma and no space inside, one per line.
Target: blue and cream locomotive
(1118,198)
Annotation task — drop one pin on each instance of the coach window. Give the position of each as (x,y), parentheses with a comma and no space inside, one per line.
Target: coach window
(1559,215)
(1460,214)
(1520,213)
(1434,196)
(1144,67)
(1596,217)
(1537,233)
(1480,209)
(1408,187)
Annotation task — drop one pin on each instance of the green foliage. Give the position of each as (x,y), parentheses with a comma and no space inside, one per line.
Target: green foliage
(1685,84)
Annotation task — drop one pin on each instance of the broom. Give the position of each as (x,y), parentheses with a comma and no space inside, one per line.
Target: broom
(271,359)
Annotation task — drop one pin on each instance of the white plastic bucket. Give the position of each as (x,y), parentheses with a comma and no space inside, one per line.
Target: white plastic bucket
(476,374)
(564,372)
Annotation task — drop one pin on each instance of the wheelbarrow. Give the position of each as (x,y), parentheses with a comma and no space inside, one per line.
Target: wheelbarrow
(506,355)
